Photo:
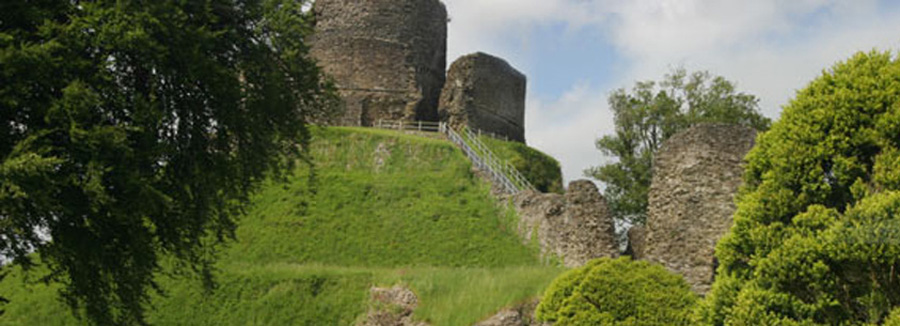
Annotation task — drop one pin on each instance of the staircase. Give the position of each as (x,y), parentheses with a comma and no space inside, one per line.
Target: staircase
(500,172)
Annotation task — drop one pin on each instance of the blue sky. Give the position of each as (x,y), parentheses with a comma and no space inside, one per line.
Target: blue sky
(575,52)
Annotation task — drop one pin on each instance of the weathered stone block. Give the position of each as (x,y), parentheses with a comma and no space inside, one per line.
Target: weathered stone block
(391,307)
(486,93)
(636,241)
(696,174)
(522,314)
(576,227)
(387,57)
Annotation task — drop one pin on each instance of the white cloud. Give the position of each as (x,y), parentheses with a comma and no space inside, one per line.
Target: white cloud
(770,48)
(488,25)
(566,127)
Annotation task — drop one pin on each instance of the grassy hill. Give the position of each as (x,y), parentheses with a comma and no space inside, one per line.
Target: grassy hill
(382,208)
(541,170)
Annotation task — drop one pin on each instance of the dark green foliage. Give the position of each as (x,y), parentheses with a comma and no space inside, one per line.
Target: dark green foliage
(135,130)
(649,115)
(617,292)
(815,235)
(540,169)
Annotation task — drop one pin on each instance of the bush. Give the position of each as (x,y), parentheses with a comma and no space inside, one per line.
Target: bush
(815,235)
(617,292)
(894,319)
(540,169)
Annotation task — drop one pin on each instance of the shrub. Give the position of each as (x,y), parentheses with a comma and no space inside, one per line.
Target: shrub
(894,319)
(617,292)
(815,235)
(540,169)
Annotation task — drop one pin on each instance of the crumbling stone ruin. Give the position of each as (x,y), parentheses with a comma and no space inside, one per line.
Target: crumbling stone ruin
(391,307)
(696,174)
(576,227)
(519,315)
(486,93)
(387,57)
(637,236)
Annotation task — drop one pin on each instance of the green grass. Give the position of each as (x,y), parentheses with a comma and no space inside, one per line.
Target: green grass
(384,208)
(382,201)
(463,296)
(246,295)
(540,169)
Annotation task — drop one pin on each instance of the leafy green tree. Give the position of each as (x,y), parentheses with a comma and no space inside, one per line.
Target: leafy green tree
(893,319)
(649,115)
(132,131)
(816,235)
(617,292)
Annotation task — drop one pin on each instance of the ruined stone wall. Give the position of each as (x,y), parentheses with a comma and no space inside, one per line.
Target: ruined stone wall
(486,93)
(387,57)
(576,226)
(696,174)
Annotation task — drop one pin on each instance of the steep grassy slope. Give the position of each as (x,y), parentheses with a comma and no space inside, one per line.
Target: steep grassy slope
(383,208)
(540,169)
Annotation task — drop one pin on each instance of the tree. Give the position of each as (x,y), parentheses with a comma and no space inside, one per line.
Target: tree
(617,292)
(649,115)
(815,235)
(132,131)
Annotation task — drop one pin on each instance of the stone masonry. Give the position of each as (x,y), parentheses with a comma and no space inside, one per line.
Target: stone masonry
(696,174)
(387,57)
(391,307)
(576,227)
(486,93)
(521,314)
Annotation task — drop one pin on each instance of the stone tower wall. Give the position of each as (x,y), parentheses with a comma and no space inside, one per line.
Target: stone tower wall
(486,93)
(387,57)
(576,227)
(696,174)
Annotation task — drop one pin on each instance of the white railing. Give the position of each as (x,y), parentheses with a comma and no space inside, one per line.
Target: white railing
(409,125)
(480,132)
(500,172)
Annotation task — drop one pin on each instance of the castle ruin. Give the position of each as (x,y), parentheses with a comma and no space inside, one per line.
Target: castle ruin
(486,93)
(696,174)
(387,57)
(575,227)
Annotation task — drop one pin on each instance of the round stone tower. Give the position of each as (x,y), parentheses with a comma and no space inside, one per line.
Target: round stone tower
(387,57)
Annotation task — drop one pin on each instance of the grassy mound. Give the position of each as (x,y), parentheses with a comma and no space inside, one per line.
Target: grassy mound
(540,169)
(382,208)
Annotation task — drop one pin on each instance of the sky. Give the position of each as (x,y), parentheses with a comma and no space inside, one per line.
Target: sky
(576,52)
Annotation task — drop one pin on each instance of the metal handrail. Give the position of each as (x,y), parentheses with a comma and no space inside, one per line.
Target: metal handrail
(500,172)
